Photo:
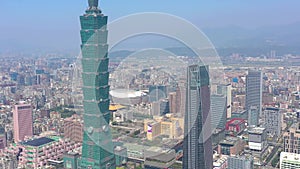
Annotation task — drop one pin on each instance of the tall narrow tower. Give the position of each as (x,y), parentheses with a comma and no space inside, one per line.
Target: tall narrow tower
(22,121)
(97,147)
(254,90)
(197,144)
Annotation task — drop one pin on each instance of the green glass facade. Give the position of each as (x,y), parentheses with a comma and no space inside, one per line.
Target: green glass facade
(97,146)
(71,161)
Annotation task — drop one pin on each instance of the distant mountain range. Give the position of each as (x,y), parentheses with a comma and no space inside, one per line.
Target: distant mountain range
(232,36)
(283,39)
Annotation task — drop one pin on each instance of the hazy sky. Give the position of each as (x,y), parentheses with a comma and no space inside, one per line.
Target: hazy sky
(46,21)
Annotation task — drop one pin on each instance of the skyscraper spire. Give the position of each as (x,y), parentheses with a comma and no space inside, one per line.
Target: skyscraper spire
(93,3)
(93,7)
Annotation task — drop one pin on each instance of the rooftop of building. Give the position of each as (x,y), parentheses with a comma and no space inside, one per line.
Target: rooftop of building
(115,107)
(22,103)
(272,109)
(243,157)
(135,147)
(160,154)
(126,93)
(290,156)
(239,112)
(72,154)
(257,130)
(38,142)
(229,140)
(220,161)
(236,121)
(295,128)
(120,148)
(74,118)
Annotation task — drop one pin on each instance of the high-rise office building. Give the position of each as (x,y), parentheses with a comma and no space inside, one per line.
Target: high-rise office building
(97,146)
(272,121)
(157,92)
(257,139)
(164,106)
(155,109)
(172,102)
(253,116)
(254,90)
(160,108)
(258,145)
(181,98)
(23,123)
(197,148)
(289,160)
(218,111)
(226,91)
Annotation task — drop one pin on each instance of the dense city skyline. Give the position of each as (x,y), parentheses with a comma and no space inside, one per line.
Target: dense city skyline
(151,106)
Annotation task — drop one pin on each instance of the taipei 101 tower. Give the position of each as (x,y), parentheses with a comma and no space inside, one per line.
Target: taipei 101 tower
(97,146)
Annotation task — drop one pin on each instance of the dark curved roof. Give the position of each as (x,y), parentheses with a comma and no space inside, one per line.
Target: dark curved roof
(38,142)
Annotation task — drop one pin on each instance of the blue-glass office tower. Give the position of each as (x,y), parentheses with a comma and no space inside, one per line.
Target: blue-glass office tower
(254,90)
(197,148)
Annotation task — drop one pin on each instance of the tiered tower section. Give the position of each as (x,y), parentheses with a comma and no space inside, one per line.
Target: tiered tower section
(97,146)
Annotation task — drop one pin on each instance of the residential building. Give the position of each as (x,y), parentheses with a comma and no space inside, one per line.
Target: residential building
(172,102)
(8,162)
(289,160)
(36,153)
(272,121)
(73,128)
(292,139)
(240,162)
(221,163)
(23,123)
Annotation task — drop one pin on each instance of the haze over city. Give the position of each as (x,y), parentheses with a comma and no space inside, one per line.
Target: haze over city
(51,25)
(114,84)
